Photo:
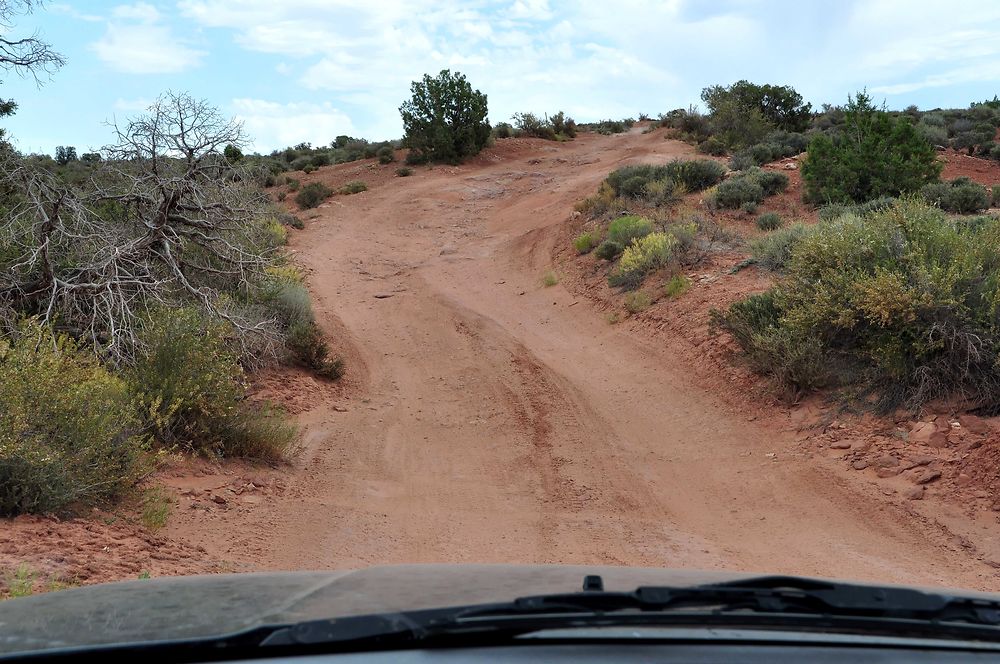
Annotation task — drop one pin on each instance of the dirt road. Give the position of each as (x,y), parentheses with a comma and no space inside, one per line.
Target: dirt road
(490,419)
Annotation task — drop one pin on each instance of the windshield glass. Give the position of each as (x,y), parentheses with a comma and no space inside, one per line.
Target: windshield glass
(299,286)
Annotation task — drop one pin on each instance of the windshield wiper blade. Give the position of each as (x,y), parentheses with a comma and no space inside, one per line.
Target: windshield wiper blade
(782,600)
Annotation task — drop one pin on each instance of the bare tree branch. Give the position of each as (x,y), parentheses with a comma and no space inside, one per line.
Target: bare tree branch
(165,221)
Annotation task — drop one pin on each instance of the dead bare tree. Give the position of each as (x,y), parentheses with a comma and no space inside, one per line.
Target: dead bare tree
(165,221)
(24,56)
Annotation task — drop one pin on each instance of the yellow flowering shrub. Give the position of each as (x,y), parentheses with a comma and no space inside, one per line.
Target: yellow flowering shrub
(68,429)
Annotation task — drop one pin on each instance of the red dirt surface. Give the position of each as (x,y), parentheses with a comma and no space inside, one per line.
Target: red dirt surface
(486,418)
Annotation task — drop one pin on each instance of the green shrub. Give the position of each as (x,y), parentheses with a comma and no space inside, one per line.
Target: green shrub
(191,390)
(736,191)
(608,250)
(750,207)
(550,278)
(663,192)
(585,242)
(68,428)
(444,120)
(353,187)
(503,130)
(777,106)
(312,195)
(293,184)
(795,361)
(837,210)
(637,301)
(289,219)
(624,230)
(770,221)
(307,345)
(774,250)
(772,182)
(308,169)
(875,155)
(901,302)
(694,175)
(282,195)
(529,124)
(713,146)
(385,155)
(995,199)
(641,257)
(292,303)
(404,172)
(961,195)
(608,127)
(677,286)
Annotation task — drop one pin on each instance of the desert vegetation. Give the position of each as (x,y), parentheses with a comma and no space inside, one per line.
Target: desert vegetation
(897,304)
(445,119)
(139,288)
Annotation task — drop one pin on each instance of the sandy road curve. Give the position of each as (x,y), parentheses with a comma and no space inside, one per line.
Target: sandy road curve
(498,421)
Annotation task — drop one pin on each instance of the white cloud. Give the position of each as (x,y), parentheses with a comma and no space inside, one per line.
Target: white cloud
(140,11)
(68,10)
(272,125)
(137,41)
(989,73)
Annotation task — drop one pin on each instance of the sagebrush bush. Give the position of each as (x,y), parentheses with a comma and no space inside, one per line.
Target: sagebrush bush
(712,146)
(585,242)
(995,198)
(637,301)
(352,187)
(901,302)
(677,285)
(772,182)
(306,343)
(312,195)
(748,188)
(623,230)
(293,184)
(774,250)
(600,203)
(736,192)
(694,175)
(404,172)
(770,221)
(292,303)
(386,155)
(961,195)
(641,257)
(608,250)
(836,210)
(69,434)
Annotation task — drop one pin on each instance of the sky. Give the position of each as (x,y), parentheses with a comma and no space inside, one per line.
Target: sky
(308,70)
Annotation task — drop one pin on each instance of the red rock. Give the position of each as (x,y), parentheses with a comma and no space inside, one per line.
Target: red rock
(922,432)
(887,462)
(888,472)
(222,501)
(859,465)
(974,424)
(943,424)
(938,440)
(841,445)
(929,476)
(916,493)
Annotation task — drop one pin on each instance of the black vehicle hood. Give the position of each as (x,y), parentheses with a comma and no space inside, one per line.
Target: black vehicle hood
(214,605)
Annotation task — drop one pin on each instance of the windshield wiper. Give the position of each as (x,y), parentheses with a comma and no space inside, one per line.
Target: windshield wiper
(768,601)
